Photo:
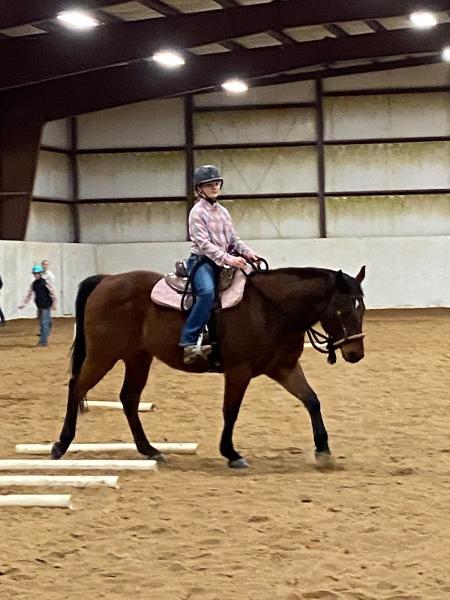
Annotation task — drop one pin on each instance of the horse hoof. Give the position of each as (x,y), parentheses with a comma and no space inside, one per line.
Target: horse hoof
(158,457)
(55,452)
(239,463)
(324,460)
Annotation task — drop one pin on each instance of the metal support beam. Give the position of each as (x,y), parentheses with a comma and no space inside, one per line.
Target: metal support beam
(320,160)
(20,133)
(75,179)
(189,156)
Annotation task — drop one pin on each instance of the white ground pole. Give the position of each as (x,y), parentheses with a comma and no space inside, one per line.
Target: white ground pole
(79,481)
(165,447)
(40,500)
(143,406)
(30,464)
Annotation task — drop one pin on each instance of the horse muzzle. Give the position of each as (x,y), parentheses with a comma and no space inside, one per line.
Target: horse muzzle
(352,348)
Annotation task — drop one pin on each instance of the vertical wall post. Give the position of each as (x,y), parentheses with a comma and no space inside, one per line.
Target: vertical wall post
(189,156)
(75,179)
(320,160)
(20,135)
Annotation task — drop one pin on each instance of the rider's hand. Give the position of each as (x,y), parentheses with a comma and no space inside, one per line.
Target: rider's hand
(251,256)
(237,261)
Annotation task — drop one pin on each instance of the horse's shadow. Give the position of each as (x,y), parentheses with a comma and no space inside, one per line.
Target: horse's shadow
(259,465)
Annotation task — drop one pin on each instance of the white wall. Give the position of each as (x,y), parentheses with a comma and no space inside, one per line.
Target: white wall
(70,263)
(402,272)
(152,123)
(144,222)
(388,216)
(57,134)
(389,115)
(53,176)
(130,175)
(49,221)
(242,127)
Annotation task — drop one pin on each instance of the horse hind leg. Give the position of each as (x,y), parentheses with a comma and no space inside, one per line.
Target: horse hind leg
(79,385)
(136,374)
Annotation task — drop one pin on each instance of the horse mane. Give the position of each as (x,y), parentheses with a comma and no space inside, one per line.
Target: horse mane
(344,282)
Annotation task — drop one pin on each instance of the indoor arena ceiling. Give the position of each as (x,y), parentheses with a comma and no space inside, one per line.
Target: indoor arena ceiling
(69,72)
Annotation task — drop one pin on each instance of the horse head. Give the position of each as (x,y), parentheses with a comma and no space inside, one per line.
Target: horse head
(342,320)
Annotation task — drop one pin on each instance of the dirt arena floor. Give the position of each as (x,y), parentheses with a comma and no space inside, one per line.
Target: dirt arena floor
(376,527)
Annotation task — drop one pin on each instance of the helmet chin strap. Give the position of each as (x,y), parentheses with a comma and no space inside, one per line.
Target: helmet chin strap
(202,194)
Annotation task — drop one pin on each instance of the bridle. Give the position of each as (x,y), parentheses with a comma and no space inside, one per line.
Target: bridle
(326,344)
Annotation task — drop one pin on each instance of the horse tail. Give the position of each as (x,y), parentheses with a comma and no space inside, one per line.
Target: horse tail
(85,289)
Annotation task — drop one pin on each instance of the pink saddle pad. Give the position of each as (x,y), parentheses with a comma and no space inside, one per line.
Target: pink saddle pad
(164,295)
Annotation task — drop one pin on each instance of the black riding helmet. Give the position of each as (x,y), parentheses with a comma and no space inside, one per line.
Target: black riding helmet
(207,174)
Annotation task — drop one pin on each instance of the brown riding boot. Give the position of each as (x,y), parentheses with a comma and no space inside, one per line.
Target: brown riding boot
(193,353)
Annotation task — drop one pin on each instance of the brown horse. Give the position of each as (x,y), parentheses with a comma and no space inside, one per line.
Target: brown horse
(262,335)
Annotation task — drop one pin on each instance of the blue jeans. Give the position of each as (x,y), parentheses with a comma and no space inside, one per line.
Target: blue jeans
(45,322)
(203,284)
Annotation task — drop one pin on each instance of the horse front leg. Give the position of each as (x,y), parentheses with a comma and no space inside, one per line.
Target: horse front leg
(236,382)
(294,381)
(136,374)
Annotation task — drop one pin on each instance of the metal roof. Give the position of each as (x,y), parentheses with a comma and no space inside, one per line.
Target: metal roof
(70,72)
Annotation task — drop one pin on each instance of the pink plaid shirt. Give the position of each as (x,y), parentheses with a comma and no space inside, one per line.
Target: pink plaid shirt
(212,233)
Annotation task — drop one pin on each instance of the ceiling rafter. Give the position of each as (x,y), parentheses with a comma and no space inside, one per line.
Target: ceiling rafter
(336,30)
(375,25)
(339,71)
(170,11)
(142,81)
(280,36)
(38,58)
(14,13)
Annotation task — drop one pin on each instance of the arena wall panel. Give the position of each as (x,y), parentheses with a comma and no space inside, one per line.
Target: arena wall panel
(390,116)
(53,178)
(151,123)
(275,218)
(264,170)
(146,222)
(57,134)
(49,222)
(426,75)
(250,126)
(131,175)
(379,167)
(376,216)
(300,91)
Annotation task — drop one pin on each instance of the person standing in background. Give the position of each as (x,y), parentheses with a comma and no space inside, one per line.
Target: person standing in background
(45,300)
(2,316)
(47,274)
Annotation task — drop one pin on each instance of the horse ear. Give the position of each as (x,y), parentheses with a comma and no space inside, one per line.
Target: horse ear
(341,285)
(362,273)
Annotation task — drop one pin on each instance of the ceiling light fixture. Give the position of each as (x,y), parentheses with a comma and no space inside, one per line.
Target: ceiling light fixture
(423,19)
(235,86)
(446,54)
(169,59)
(77,19)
